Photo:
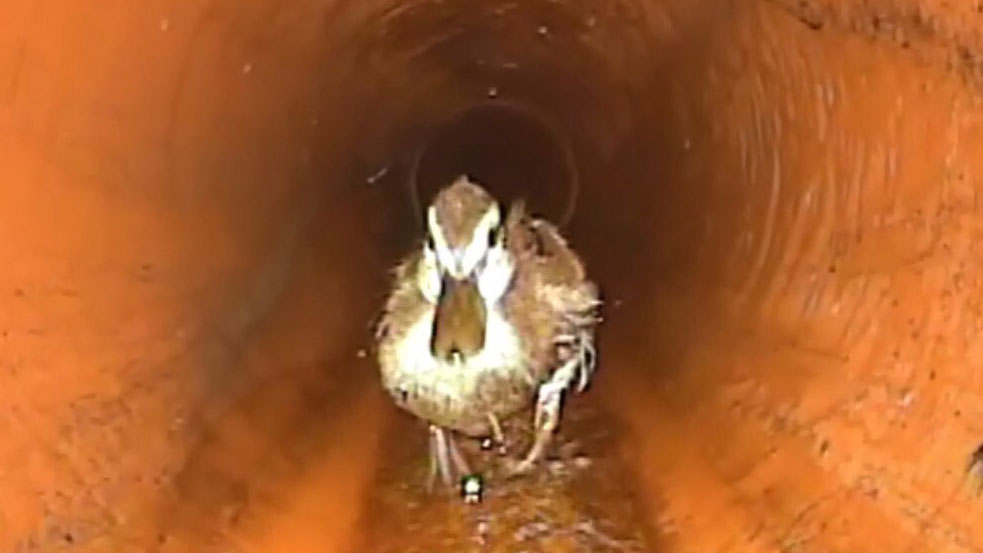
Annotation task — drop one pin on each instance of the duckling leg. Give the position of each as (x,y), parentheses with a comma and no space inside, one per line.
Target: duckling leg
(446,460)
(439,458)
(457,458)
(549,403)
(498,436)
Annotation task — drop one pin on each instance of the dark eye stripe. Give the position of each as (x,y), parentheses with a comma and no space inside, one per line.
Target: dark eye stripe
(494,234)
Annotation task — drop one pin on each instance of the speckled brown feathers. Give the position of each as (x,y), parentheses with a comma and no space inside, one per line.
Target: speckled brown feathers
(405,304)
(545,317)
(458,206)
(551,297)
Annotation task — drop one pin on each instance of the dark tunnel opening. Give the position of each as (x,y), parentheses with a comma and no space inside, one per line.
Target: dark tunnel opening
(778,199)
(510,149)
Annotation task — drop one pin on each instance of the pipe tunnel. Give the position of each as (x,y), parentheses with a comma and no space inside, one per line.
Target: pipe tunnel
(201,202)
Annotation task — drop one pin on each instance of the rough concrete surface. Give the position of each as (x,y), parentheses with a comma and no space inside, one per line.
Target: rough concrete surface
(200,202)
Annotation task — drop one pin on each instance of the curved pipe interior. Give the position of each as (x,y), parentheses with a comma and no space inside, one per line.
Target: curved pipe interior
(201,202)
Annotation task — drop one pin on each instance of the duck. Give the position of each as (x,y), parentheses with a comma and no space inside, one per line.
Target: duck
(491,313)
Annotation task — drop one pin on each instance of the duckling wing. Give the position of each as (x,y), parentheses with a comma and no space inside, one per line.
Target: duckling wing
(554,269)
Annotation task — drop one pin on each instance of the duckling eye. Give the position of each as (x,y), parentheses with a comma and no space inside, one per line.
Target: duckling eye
(431,244)
(493,235)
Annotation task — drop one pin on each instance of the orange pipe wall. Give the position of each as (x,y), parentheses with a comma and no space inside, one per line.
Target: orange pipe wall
(779,198)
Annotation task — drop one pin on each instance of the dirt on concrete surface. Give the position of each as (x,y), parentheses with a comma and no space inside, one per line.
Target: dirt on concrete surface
(200,203)
(582,500)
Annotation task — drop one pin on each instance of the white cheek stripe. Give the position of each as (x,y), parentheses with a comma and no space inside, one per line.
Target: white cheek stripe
(461,264)
(478,248)
(496,276)
(444,255)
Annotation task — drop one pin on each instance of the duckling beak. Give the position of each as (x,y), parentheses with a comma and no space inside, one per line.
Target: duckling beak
(459,322)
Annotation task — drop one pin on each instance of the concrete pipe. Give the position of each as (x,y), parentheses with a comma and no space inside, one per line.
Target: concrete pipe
(201,202)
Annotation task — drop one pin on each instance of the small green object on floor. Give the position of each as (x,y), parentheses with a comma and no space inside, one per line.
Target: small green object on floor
(472,488)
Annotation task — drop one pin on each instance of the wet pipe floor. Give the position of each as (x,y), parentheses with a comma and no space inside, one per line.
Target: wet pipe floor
(581,499)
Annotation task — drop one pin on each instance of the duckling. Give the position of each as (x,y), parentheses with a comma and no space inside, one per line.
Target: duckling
(488,316)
